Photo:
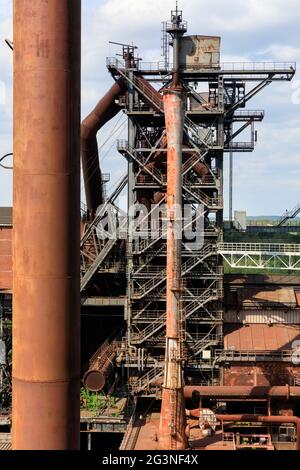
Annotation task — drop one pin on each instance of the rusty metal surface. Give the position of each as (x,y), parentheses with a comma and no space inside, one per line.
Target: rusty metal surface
(254,279)
(264,419)
(105,110)
(172,420)
(261,374)
(200,51)
(241,391)
(262,316)
(101,365)
(260,337)
(46,332)
(95,378)
(261,297)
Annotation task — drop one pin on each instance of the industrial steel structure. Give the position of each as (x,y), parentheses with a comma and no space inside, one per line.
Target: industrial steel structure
(207,133)
(162,328)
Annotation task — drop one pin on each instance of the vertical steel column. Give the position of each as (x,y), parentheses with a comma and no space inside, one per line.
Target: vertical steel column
(46,301)
(130,207)
(172,418)
(230,176)
(220,213)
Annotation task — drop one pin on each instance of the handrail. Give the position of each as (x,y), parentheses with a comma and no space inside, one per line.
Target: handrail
(259,247)
(254,66)
(259,66)
(250,112)
(289,215)
(283,355)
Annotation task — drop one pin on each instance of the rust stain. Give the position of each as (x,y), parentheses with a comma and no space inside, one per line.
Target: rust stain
(46,329)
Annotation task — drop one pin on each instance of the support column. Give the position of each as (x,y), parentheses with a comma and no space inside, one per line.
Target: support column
(172,417)
(46,230)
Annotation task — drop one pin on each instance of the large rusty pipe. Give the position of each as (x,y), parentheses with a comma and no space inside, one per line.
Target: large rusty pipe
(172,418)
(105,110)
(95,377)
(191,391)
(263,419)
(46,321)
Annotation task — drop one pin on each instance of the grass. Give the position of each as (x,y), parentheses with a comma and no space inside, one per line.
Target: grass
(232,236)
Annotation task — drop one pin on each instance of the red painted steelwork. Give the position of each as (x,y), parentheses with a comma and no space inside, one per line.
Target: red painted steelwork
(46,300)
(241,391)
(95,377)
(263,419)
(6,259)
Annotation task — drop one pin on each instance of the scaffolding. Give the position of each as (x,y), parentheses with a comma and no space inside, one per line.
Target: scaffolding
(208,134)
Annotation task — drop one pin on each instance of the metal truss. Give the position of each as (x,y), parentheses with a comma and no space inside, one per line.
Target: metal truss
(206,138)
(261,255)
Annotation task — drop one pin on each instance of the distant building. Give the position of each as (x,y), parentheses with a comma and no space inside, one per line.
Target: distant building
(240,220)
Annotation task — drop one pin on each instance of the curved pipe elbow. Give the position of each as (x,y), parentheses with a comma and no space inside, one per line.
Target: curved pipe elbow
(105,110)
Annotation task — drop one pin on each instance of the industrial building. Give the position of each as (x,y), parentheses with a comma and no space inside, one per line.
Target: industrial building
(175,353)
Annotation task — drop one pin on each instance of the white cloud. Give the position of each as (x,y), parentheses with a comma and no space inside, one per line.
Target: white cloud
(251,30)
(281,52)
(242,16)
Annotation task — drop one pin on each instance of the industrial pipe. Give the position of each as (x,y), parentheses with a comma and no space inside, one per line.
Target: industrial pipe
(172,418)
(46,264)
(241,391)
(95,377)
(263,419)
(105,110)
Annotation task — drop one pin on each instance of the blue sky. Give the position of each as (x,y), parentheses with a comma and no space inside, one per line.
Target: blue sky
(266,181)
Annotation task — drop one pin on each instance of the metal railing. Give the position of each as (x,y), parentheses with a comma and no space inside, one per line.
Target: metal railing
(203,137)
(196,193)
(93,250)
(113,62)
(289,215)
(202,297)
(240,145)
(259,248)
(259,66)
(160,272)
(155,66)
(145,89)
(249,113)
(147,380)
(229,437)
(203,341)
(123,146)
(200,196)
(248,356)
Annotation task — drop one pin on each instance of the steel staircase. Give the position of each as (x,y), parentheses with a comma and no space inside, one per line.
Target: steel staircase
(205,295)
(146,381)
(193,160)
(289,215)
(187,266)
(200,136)
(94,251)
(200,196)
(203,343)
